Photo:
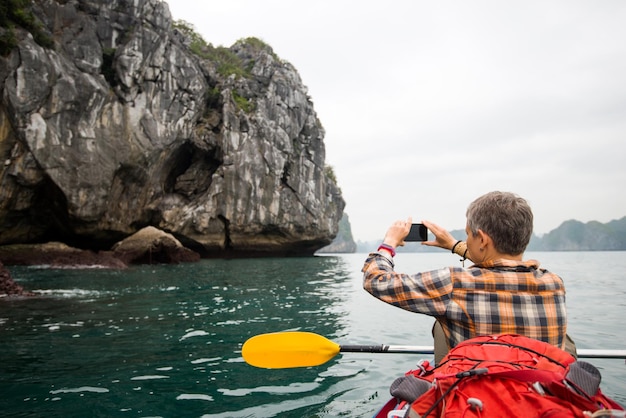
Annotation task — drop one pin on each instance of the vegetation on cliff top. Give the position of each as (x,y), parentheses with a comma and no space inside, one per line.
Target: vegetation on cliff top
(17,13)
(227,61)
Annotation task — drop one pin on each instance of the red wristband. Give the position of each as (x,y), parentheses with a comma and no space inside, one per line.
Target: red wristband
(388,248)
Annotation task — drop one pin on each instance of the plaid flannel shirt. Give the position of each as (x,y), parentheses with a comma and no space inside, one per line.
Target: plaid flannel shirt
(497,297)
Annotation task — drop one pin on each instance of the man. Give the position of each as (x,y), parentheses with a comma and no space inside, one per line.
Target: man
(500,293)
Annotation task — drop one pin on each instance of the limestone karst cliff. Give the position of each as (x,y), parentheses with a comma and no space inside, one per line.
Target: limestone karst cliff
(343,242)
(120,120)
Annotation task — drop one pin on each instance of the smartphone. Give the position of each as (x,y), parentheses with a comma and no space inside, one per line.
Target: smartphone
(418,232)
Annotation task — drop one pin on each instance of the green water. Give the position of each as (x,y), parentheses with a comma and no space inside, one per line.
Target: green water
(166,340)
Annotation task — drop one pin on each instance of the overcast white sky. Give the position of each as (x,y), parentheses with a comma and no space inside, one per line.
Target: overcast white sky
(430,104)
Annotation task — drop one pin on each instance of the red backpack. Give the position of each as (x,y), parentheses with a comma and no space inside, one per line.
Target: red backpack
(506,376)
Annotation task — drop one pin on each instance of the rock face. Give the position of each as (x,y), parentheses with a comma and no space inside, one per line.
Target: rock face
(150,246)
(120,126)
(58,255)
(343,242)
(8,287)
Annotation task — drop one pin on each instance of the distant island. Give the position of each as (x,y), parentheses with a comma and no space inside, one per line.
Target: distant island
(574,235)
(571,235)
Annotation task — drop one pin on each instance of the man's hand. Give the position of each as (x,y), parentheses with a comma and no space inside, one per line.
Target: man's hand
(443,238)
(397,232)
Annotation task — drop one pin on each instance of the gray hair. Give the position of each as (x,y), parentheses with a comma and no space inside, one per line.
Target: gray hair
(505,217)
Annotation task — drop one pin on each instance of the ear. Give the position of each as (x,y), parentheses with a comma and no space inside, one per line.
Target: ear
(484,239)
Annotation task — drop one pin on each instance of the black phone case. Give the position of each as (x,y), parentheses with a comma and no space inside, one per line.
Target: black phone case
(418,232)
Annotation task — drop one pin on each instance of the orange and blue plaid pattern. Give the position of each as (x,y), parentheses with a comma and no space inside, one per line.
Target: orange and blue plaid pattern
(497,297)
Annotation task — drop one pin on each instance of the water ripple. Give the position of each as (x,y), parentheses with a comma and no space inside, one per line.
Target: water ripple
(80,390)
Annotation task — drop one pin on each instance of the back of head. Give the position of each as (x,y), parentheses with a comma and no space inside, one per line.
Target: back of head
(505,217)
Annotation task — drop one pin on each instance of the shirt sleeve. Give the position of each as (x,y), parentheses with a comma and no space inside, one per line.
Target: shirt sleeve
(427,292)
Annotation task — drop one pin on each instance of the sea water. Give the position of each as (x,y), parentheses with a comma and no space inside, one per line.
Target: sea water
(165,341)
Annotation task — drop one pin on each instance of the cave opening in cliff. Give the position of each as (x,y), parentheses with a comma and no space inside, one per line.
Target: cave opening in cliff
(49,213)
(51,221)
(107,69)
(189,170)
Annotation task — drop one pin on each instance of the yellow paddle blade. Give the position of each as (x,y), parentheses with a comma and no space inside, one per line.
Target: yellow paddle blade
(281,350)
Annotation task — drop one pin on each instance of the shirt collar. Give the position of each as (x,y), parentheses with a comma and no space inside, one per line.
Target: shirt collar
(505,262)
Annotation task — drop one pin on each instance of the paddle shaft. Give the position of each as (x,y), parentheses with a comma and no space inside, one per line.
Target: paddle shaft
(412,349)
(408,349)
